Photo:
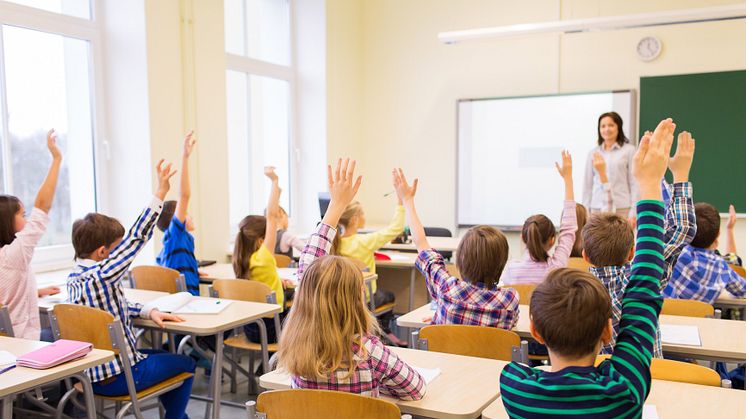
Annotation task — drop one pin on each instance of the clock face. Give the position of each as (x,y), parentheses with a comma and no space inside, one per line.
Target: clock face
(648,48)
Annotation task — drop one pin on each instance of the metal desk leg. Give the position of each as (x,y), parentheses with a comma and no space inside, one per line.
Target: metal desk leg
(7,412)
(217,375)
(412,277)
(90,405)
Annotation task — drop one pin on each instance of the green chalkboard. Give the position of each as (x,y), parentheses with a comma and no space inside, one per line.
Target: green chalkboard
(712,106)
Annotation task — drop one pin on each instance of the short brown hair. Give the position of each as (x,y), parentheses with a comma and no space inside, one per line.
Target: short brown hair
(708,225)
(607,239)
(167,214)
(93,231)
(582,215)
(9,207)
(536,231)
(482,254)
(570,310)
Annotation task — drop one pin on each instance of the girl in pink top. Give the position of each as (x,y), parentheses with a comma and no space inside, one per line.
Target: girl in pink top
(18,238)
(539,236)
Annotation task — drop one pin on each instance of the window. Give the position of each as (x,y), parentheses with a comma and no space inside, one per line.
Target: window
(259,90)
(46,82)
(77,8)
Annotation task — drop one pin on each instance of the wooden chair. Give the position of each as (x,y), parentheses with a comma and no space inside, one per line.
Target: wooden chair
(255,291)
(525,291)
(291,404)
(683,372)
(689,308)
(478,341)
(87,324)
(376,310)
(283,261)
(6,326)
(157,278)
(739,270)
(578,263)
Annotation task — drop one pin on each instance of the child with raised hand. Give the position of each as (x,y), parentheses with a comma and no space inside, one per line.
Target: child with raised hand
(330,337)
(252,254)
(178,242)
(103,256)
(476,299)
(538,234)
(570,314)
(286,240)
(18,239)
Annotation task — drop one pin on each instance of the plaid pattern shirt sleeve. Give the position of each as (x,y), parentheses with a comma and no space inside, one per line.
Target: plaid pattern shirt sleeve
(318,245)
(432,266)
(680,226)
(701,275)
(397,379)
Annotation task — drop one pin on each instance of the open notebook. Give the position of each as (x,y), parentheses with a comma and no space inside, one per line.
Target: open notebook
(186,303)
(7,361)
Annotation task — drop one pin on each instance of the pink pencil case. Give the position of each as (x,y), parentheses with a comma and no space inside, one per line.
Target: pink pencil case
(55,354)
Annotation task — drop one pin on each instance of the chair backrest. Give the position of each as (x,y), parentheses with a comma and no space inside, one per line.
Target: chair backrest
(283,261)
(453,270)
(578,263)
(478,341)
(739,270)
(243,290)
(157,278)
(438,232)
(83,323)
(683,372)
(689,308)
(6,326)
(282,404)
(524,292)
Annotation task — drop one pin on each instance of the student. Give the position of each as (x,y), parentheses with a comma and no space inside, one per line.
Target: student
(609,239)
(178,242)
(18,239)
(363,247)
(582,213)
(538,234)
(570,313)
(701,273)
(329,341)
(481,255)
(253,258)
(287,241)
(103,255)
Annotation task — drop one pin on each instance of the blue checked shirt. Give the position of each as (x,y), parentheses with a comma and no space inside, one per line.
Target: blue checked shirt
(702,274)
(680,226)
(99,285)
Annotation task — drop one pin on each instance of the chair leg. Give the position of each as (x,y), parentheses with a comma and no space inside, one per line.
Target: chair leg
(234,383)
(161,410)
(251,384)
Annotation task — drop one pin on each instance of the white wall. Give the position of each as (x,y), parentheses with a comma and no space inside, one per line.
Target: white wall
(392,86)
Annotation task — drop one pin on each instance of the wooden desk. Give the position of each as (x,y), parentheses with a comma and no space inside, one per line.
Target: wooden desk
(440,244)
(722,340)
(21,379)
(675,401)
(464,388)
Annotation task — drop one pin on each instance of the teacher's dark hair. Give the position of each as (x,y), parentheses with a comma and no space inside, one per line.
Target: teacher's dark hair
(620,138)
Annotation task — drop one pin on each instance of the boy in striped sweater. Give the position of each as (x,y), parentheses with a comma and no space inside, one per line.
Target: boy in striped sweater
(571,315)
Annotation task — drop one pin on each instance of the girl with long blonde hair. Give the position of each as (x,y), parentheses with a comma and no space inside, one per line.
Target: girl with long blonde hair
(329,340)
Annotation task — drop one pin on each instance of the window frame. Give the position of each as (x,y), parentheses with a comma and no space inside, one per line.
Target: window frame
(27,17)
(255,67)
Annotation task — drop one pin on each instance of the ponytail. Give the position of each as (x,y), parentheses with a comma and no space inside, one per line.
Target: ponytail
(537,230)
(251,231)
(351,210)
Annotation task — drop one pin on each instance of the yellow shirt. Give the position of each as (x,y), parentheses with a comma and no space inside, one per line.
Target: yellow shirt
(263,268)
(362,246)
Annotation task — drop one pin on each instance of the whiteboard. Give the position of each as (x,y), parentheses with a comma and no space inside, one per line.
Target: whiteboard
(507,148)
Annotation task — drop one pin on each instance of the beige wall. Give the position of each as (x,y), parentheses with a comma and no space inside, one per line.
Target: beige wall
(392,87)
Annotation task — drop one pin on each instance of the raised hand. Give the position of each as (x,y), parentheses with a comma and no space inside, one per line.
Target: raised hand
(52,145)
(651,159)
(731,217)
(189,142)
(566,169)
(165,173)
(404,191)
(343,186)
(681,161)
(269,171)
(599,163)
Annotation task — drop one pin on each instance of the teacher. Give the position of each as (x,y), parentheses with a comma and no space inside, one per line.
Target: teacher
(618,154)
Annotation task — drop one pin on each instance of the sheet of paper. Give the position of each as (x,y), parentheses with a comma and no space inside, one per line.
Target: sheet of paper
(649,412)
(680,335)
(291,274)
(429,374)
(6,358)
(203,306)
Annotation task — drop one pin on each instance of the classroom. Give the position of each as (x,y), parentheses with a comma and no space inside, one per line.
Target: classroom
(372,208)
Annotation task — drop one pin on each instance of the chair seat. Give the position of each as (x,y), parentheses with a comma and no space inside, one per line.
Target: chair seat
(241,342)
(147,392)
(384,308)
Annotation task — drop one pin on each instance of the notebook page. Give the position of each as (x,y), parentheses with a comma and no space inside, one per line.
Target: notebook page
(680,335)
(429,374)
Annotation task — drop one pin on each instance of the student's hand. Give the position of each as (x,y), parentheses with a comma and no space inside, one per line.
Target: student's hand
(681,161)
(189,142)
(566,169)
(404,191)
(159,317)
(42,292)
(651,159)
(342,189)
(202,274)
(731,218)
(269,171)
(599,163)
(164,179)
(52,145)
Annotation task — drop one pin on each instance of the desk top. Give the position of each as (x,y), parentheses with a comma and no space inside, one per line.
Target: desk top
(21,379)
(398,260)
(721,339)
(464,388)
(675,400)
(441,244)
